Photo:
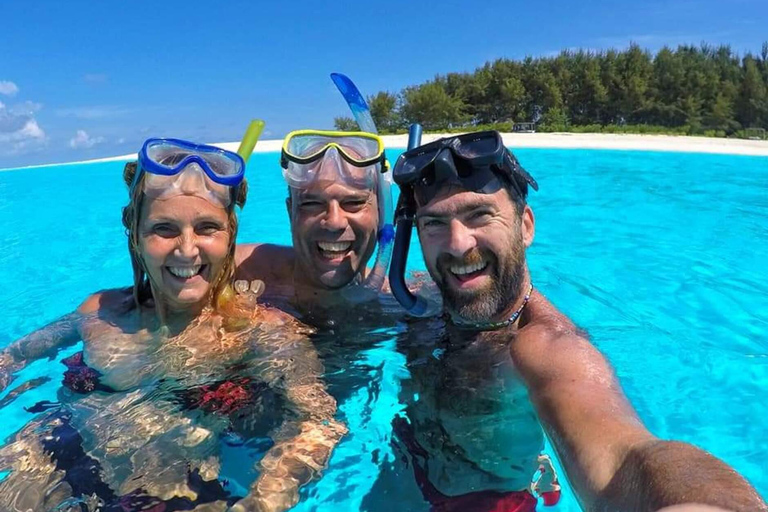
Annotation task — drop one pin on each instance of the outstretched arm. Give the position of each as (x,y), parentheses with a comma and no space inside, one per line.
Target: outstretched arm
(612,460)
(302,446)
(43,342)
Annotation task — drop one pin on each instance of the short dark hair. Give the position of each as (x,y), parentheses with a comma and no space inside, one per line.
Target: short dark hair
(517,188)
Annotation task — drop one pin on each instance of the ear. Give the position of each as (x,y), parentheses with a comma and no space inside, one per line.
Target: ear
(528,226)
(288,206)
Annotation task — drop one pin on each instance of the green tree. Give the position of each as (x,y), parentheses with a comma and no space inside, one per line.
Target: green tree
(635,71)
(431,106)
(751,106)
(383,107)
(345,124)
(689,89)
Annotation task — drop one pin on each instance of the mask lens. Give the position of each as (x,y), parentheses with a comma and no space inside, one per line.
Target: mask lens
(411,164)
(221,164)
(166,155)
(477,145)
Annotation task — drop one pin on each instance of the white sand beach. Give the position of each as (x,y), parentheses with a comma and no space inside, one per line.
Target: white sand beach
(585,141)
(555,141)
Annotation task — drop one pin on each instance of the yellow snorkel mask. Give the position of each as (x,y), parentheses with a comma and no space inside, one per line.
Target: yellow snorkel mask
(358,157)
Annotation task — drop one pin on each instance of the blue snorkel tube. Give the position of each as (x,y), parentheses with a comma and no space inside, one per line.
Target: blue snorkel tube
(374,282)
(415,305)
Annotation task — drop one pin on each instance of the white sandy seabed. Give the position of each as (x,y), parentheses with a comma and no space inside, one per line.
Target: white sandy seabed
(557,141)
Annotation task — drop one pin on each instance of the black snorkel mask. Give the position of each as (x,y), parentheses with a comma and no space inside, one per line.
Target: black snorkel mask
(477,162)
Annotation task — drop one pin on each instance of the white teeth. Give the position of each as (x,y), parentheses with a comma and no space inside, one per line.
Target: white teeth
(185,272)
(468,269)
(334,246)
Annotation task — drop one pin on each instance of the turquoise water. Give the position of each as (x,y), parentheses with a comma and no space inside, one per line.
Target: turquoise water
(662,257)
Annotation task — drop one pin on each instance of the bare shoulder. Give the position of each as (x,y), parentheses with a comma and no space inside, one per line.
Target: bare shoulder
(550,345)
(106,300)
(268,262)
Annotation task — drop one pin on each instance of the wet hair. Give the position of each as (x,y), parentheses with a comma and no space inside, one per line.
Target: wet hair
(517,188)
(142,289)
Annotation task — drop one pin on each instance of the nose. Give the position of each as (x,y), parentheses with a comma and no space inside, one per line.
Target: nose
(334,219)
(187,248)
(460,239)
(192,179)
(331,165)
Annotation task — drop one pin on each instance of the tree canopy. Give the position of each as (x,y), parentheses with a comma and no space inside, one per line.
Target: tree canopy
(691,89)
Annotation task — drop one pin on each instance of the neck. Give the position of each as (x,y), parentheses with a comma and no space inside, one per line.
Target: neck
(508,318)
(309,296)
(176,318)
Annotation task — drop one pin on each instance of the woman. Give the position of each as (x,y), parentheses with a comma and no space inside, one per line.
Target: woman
(178,360)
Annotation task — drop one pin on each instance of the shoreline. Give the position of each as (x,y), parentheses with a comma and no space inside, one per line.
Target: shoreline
(621,142)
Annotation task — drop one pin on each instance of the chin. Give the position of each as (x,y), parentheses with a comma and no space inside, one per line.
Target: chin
(336,280)
(191,297)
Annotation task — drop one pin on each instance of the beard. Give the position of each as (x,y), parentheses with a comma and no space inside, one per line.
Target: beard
(503,290)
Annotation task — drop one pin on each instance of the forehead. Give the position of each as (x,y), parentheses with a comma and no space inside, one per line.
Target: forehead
(453,200)
(181,208)
(329,189)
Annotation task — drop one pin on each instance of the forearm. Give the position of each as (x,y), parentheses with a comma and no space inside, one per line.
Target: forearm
(46,340)
(659,473)
(303,445)
(291,464)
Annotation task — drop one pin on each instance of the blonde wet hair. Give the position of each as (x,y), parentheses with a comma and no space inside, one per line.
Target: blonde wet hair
(221,289)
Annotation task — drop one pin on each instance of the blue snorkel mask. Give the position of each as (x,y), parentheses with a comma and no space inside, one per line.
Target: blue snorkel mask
(477,162)
(176,167)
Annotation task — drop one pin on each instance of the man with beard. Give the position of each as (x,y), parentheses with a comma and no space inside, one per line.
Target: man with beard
(503,361)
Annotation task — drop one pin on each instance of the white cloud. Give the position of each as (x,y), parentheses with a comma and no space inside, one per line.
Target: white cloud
(8,88)
(19,129)
(82,140)
(121,140)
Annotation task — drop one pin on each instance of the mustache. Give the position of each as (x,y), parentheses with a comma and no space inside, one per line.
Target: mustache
(471,257)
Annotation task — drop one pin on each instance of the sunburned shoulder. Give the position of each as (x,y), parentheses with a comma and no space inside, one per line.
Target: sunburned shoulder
(267,262)
(112,301)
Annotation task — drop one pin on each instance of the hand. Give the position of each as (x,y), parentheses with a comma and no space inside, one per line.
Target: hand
(269,494)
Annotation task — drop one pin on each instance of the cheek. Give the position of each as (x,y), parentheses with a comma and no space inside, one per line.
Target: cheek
(430,247)
(216,248)
(154,250)
(301,226)
(365,226)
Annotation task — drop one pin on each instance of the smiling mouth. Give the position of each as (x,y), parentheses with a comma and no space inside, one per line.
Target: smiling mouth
(464,273)
(333,250)
(186,273)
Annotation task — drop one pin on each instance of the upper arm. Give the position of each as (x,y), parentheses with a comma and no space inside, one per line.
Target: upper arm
(581,405)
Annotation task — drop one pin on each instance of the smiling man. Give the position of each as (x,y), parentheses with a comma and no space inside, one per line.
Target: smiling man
(504,360)
(335,204)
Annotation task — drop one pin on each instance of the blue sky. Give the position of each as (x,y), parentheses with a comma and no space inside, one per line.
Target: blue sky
(86,79)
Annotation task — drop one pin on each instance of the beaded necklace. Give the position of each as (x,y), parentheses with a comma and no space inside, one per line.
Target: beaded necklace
(494,326)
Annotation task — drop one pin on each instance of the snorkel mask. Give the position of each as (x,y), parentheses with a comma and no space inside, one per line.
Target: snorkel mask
(175,167)
(477,162)
(358,159)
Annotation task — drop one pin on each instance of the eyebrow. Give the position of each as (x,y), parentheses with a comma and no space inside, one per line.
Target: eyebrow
(346,197)
(171,220)
(466,208)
